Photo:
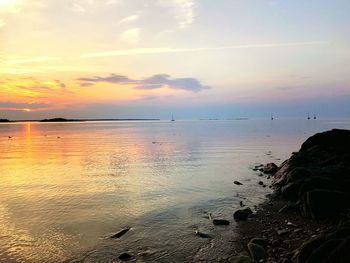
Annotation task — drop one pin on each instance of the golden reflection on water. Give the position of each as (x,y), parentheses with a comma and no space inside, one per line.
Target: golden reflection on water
(55,181)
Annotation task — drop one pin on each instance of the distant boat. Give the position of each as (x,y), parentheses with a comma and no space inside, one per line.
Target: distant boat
(172,117)
(271,117)
(314,116)
(308,116)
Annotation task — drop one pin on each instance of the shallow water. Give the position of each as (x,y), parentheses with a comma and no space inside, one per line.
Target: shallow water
(66,187)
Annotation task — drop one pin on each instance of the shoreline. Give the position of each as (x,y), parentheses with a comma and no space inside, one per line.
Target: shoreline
(305,219)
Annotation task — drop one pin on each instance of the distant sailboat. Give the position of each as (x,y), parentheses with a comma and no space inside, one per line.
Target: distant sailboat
(308,116)
(314,116)
(271,117)
(172,117)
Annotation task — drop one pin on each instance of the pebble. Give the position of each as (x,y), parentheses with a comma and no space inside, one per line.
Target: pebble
(282,232)
(125,256)
(219,222)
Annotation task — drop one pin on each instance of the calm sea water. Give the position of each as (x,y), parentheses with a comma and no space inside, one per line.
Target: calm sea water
(66,187)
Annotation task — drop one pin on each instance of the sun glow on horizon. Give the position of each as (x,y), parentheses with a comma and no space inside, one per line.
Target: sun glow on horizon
(27,110)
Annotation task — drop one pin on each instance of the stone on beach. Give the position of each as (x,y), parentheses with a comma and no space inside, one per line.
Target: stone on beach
(120,233)
(237,183)
(270,168)
(242,214)
(221,222)
(125,256)
(201,234)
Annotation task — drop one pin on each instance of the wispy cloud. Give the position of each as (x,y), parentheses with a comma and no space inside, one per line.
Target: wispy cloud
(154,82)
(159,50)
(183,11)
(113,78)
(129,19)
(8,105)
(32,88)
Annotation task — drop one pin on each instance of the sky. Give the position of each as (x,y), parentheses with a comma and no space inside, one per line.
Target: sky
(190,58)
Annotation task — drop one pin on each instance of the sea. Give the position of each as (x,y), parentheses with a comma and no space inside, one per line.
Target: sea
(66,188)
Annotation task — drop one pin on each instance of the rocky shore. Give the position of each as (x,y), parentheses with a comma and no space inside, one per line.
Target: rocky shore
(306,218)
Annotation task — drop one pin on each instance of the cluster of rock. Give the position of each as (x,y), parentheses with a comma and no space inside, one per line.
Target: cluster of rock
(315,181)
(317,178)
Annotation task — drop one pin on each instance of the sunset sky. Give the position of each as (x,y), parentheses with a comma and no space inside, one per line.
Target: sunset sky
(192,58)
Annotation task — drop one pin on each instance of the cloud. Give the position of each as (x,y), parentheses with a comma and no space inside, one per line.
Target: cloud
(161,80)
(131,36)
(30,87)
(160,50)
(86,84)
(60,83)
(154,82)
(128,19)
(113,78)
(183,11)
(8,105)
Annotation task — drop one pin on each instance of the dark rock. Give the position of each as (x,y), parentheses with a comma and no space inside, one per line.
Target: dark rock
(237,183)
(120,233)
(335,140)
(270,168)
(257,252)
(260,241)
(261,183)
(282,232)
(342,253)
(322,253)
(201,234)
(298,230)
(297,173)
(287,207)
(306,249)
(291,190)
(221,222)
(321,204)
(125,256)
(242,214)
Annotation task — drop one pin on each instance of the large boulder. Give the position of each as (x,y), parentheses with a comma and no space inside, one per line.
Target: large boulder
(270,168)
(335,140)
(318,176)
(242,214)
